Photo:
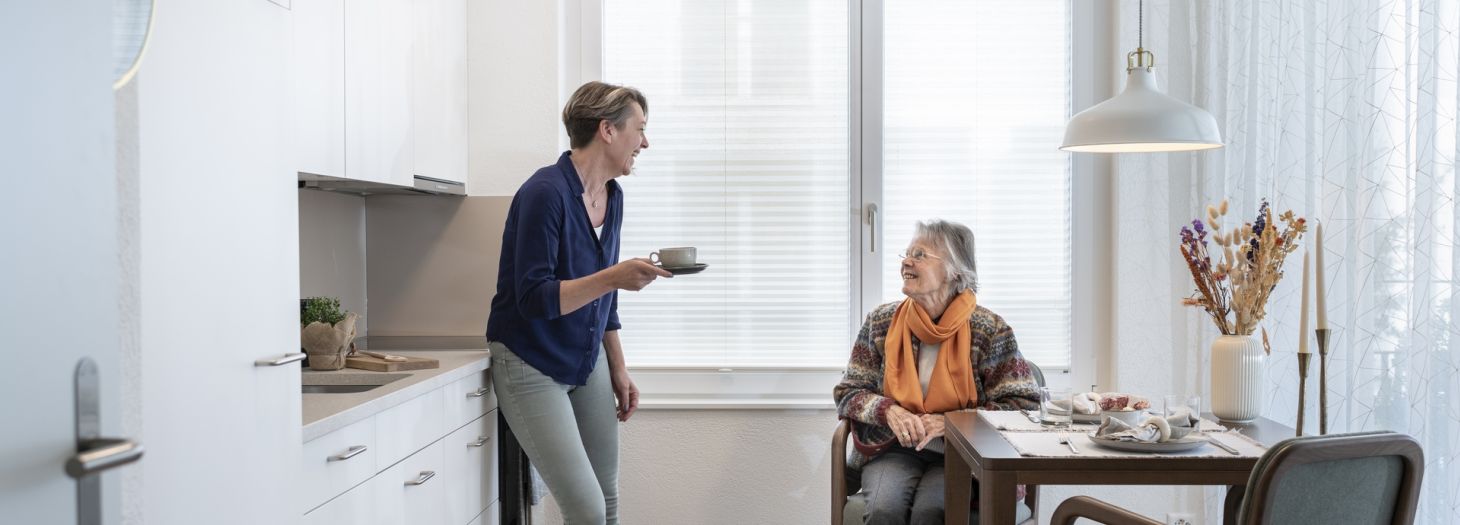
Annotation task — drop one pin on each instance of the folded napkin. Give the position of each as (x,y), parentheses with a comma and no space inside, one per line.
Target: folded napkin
(1096,402)
(1154,429)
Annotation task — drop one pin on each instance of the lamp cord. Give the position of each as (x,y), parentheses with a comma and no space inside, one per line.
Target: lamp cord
(1140,24)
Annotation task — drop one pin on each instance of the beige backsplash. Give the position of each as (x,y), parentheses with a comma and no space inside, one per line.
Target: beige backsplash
(425,265)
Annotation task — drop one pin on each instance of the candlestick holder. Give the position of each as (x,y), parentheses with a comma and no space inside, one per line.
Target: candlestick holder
(1303,358)
(1322,336)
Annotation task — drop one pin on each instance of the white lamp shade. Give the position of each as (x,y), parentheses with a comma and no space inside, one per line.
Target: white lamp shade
(1141,119)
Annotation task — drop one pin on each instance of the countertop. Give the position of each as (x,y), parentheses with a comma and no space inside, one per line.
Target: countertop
(324,413)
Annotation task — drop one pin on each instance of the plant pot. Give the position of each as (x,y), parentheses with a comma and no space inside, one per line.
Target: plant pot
(326,361)
(1238,374)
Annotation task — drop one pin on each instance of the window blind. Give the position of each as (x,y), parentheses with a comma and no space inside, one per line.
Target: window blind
(975,103)
(748,162)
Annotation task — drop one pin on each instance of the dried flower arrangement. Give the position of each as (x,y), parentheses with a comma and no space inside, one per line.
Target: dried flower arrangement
(1234,291)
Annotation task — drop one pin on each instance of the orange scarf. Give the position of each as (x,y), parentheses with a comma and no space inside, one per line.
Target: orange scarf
(951,385)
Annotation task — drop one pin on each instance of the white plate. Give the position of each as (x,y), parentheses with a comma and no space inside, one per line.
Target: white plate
(1175,445)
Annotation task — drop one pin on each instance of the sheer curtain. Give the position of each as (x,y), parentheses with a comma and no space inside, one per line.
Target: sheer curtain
(1344,111)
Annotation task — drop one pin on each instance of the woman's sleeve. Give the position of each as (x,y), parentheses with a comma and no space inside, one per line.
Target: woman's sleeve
(613,323)
(535,255)
(1008,384)
(858,395)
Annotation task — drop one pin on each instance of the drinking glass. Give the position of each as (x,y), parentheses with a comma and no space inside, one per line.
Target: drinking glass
(1054,406)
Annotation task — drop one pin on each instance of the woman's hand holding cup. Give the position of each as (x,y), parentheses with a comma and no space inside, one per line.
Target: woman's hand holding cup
(635,274)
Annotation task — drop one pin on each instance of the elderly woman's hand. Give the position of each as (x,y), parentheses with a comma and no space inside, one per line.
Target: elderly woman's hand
(907,426)
(933,423)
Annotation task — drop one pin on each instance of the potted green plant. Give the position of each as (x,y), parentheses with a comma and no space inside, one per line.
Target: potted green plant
(326,332)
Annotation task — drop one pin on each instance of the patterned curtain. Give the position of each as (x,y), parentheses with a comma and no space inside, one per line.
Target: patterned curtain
(1343,111)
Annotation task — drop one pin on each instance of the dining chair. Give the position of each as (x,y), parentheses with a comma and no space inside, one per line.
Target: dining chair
(849,503)
(1354,479)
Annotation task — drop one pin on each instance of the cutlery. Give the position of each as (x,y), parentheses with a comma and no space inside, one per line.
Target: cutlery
(1223,446)
(1032,417)
(1065,440)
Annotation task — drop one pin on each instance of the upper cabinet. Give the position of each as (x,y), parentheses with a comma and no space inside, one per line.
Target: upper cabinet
(317,96)
(380,89)
(439,94)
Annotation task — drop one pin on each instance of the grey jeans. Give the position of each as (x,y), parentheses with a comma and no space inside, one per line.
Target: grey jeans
(904,486)
(569,432)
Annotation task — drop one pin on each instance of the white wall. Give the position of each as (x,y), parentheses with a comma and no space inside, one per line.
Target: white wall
(332,250)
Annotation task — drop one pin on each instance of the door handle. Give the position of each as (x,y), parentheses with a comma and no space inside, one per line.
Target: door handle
(481,440)
(480,392)
(349,453)
(280,361)
(94,454)
(872,221)
(102,454)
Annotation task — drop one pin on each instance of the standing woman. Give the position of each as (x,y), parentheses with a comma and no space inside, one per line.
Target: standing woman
(557,364)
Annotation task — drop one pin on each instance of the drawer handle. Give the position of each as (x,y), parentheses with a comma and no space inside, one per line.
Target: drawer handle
(480,392)
(479,442)
(352,452)
(426,475)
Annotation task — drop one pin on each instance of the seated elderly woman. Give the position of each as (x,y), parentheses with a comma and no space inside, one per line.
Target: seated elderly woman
(934,352)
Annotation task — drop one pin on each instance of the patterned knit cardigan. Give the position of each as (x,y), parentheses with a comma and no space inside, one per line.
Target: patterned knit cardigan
(1001,376)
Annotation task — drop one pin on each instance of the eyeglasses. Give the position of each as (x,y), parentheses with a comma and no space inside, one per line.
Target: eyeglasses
(917,255)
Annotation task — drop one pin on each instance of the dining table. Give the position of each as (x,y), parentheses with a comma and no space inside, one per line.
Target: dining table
(981,448)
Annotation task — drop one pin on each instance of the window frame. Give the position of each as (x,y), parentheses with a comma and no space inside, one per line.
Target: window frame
(1093,62)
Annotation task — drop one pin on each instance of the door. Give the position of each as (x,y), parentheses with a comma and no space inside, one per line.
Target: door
(58,249)
(219,273)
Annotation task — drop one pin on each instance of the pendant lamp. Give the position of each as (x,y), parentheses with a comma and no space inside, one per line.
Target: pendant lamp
(1141,119)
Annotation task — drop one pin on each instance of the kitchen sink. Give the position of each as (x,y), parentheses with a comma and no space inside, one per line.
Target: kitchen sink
(346,383)
(337,389)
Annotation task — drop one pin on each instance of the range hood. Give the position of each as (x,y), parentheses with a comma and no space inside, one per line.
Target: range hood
(422,186)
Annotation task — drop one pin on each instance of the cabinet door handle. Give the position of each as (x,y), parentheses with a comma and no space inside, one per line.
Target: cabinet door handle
(426,475)
(479,442)
(480,392)
(352,452)
(280,361)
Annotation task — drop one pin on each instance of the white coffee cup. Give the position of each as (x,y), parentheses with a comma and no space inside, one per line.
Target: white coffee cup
(680,257)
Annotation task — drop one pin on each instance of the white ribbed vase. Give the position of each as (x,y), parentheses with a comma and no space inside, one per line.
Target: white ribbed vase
(1238,372)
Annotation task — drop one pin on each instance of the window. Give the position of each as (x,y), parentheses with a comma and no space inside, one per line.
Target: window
(747,162)
(765,150)
(974,109)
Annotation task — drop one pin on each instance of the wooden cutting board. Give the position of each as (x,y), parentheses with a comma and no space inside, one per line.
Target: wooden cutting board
(365,362)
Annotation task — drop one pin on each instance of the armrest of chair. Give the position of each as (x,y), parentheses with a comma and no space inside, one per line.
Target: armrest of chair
(1094,509)
(839,470)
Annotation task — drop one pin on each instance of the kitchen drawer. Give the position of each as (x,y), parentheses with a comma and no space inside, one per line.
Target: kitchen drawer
(357,506)
(337,461)
(408,427)
(413,491)
(471,468)
(491,516)
(467,399)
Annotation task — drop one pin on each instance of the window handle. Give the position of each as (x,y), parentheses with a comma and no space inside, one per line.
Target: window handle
(872,221)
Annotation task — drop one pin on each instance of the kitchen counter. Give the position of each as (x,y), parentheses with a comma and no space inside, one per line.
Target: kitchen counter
(323,413)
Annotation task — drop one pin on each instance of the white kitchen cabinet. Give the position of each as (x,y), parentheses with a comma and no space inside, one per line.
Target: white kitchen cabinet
(408,427)
(469,486)
(449,432)
(439,93)
(377,90)
(414,490)
(318,91)
(491,516)
(338,461)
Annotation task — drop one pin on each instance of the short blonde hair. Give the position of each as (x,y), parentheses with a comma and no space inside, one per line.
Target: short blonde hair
(596,102)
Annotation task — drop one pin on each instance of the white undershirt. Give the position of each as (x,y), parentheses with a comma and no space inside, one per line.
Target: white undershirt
(927,361)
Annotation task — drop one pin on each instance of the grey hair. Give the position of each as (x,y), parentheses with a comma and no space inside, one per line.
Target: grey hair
(957,241)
